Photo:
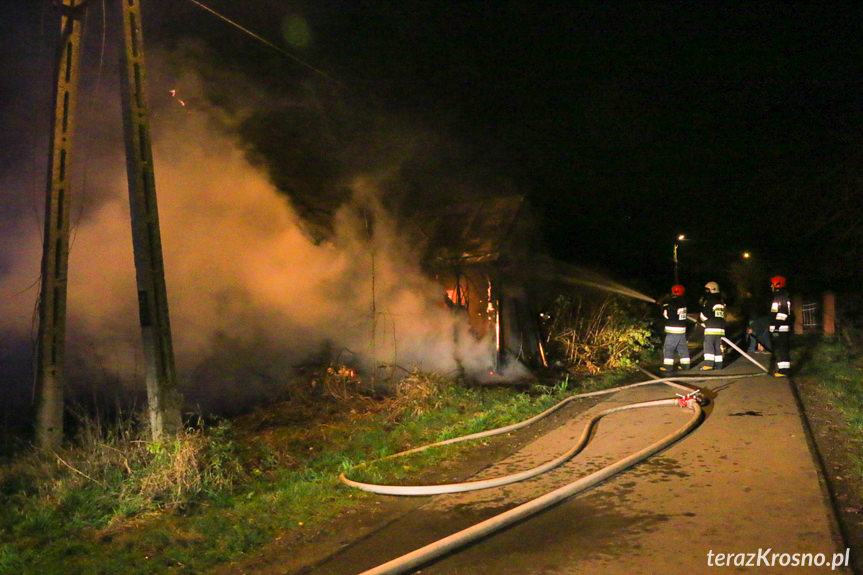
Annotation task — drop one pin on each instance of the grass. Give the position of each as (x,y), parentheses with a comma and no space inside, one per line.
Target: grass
(835,372)
(116,503)
(830,384)
(113,502)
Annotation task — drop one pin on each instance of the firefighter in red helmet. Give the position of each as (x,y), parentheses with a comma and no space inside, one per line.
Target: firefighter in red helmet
(674,316)
(780,326)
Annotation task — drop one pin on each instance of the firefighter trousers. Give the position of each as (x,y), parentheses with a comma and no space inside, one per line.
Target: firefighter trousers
(782,351)
(675,343)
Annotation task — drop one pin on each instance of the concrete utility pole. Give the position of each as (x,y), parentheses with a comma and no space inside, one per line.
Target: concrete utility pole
(163,399)
(51,343)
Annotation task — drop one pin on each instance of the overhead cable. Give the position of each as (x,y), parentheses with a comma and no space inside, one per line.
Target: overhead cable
(264,41)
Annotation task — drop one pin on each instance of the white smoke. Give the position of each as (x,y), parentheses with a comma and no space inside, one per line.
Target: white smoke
(250,295)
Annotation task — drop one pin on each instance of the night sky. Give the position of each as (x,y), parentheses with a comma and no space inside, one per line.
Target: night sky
(628,123)
(625,123)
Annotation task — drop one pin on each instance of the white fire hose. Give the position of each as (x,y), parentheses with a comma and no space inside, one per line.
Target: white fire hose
(744,354)
(464,537)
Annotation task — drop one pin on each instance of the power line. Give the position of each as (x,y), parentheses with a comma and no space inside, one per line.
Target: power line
(266,42)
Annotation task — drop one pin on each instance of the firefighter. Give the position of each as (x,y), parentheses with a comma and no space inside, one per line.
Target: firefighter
(713,319)
(674,316)
(780,326)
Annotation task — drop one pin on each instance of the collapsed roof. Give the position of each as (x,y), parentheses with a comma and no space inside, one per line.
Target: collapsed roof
(490,230)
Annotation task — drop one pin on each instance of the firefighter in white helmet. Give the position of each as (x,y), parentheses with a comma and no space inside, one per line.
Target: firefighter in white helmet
(713,319)
(780,326)
(674,318)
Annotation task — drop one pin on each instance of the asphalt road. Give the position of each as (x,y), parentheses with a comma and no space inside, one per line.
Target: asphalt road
(741,494)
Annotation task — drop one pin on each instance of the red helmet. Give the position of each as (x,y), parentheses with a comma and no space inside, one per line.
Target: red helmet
(777,282)
(678,290)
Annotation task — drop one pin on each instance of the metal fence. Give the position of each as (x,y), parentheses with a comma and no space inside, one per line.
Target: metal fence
(810,313)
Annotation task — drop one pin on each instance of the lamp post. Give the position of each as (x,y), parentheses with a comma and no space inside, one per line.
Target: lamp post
(680,238)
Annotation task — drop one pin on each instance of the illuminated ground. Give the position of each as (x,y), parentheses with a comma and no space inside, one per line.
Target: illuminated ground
(745,481)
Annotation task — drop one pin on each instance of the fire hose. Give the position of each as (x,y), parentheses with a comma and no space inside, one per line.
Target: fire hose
(436,549)
(417,490)
(736,348)
(744,354)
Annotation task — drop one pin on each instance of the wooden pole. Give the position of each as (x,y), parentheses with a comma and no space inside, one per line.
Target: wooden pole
(164,400)
(50,351)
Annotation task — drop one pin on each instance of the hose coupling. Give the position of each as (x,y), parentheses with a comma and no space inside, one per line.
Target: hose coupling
(690,398)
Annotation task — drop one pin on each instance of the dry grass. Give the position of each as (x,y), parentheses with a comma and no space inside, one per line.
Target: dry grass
(595,336)
(219,491)
(415,395)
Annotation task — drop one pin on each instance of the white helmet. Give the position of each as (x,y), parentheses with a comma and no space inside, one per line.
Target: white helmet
(712,287)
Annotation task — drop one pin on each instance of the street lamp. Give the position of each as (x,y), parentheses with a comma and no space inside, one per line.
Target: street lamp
(680,238)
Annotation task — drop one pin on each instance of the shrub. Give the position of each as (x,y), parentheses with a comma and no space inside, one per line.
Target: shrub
(596,335)
(107,476)
(183,467)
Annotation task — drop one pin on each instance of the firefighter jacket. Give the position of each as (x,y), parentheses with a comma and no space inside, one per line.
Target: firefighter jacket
(713,314)
(780,312)
(674,314)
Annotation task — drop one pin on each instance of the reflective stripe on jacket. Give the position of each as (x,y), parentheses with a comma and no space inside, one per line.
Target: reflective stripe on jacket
(780,311)
(674,314)
(713,315)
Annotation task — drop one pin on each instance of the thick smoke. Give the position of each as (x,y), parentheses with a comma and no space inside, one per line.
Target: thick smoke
(251,295)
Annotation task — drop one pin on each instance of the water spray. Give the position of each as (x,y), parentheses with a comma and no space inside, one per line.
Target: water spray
(610,286)
(571,274)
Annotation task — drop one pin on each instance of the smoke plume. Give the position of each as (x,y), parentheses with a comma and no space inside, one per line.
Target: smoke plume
(251,294)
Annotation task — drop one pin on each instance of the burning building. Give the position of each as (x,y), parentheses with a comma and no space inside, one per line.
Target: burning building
(479,252)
